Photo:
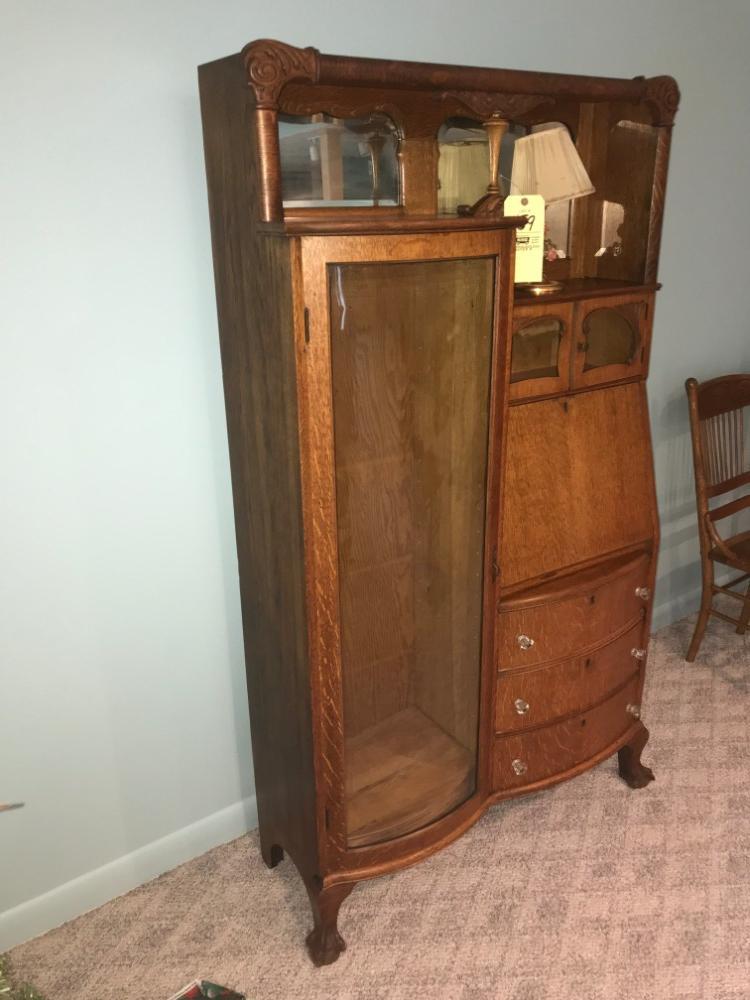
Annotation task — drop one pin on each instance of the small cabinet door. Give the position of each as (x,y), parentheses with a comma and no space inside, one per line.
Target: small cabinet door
(612,339)
(540,352)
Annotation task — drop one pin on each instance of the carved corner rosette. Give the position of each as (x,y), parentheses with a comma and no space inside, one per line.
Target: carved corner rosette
(271,65)
(663,97)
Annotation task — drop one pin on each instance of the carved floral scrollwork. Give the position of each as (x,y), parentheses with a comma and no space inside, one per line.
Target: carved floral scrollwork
(663,95)
(271,65)
(366,110)
(507,106)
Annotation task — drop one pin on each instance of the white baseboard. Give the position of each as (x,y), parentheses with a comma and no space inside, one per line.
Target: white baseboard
(41,914)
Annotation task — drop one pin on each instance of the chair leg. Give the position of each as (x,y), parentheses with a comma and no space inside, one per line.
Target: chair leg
(745,615)
(703,615)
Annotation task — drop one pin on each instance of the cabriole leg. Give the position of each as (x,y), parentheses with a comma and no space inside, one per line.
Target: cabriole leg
(632,770)
(324,942)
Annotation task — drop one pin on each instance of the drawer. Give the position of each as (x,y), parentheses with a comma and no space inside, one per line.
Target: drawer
(526,758)
(528,698)
(558,629)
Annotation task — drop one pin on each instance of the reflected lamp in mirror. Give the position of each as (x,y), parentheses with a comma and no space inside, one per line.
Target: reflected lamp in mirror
(546,162)
(462,168)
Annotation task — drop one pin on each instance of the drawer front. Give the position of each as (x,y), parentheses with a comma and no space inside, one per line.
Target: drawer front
(525,758)
(562,628)
(529,698)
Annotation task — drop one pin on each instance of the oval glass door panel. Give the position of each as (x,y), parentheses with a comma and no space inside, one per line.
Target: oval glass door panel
(411,347)
(610,337)
(536,347)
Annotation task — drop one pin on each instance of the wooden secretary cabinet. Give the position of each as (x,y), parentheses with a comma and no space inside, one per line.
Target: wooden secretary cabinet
(444,499)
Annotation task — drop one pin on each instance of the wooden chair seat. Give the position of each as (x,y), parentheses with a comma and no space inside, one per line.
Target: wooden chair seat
(739,545)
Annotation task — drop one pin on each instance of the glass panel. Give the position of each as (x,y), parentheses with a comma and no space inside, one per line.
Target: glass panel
(536,347)
(338,161)
(411,355)
(611,337)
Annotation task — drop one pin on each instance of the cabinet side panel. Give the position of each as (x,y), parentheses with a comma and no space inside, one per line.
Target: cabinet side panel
(254,300)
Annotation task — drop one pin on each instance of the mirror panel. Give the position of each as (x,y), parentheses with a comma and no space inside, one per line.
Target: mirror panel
(329,162)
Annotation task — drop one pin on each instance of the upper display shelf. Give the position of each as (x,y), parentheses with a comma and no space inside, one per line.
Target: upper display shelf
(341,135)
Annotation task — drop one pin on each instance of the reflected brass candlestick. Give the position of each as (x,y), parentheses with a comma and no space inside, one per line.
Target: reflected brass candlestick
(376,142)
(491,203)
(375,139)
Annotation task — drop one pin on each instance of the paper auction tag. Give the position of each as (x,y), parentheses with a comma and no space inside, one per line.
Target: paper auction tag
(530,239)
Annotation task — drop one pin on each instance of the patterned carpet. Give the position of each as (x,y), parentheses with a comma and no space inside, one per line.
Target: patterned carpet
(586,892)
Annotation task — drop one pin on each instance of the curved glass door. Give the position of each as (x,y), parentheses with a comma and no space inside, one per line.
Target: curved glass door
(411,346)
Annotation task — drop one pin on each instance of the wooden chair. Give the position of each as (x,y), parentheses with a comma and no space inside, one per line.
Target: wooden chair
(720,429)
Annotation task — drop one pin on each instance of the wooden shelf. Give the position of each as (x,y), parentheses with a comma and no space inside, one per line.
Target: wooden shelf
(401,774)
(348,221)
(584,288)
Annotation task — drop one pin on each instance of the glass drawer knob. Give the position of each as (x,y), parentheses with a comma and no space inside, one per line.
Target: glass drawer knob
(634,710)
(521,706)
(638,654)
(524,641)
(643,592)
(519,766)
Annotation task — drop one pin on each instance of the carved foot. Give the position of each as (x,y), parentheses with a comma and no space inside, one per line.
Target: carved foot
(272,854)
(324,942)
(636,774)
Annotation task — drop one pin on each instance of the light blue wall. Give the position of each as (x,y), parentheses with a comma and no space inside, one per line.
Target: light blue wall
(122,724)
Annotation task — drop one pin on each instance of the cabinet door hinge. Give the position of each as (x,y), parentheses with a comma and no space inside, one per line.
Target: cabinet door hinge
(307,325)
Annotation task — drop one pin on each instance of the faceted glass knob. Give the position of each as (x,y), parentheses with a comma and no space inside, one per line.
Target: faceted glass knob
(519,766)
(643,592)
(521,706)
(634,710)
(524,641)
(638,654)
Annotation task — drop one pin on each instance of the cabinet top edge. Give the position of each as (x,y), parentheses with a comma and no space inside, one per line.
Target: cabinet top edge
(271,64)
(372,225)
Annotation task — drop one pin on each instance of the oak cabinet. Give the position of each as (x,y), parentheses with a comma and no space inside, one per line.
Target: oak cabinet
(443,492)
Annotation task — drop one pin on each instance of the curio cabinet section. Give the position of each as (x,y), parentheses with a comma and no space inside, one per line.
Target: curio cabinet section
(401,357)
